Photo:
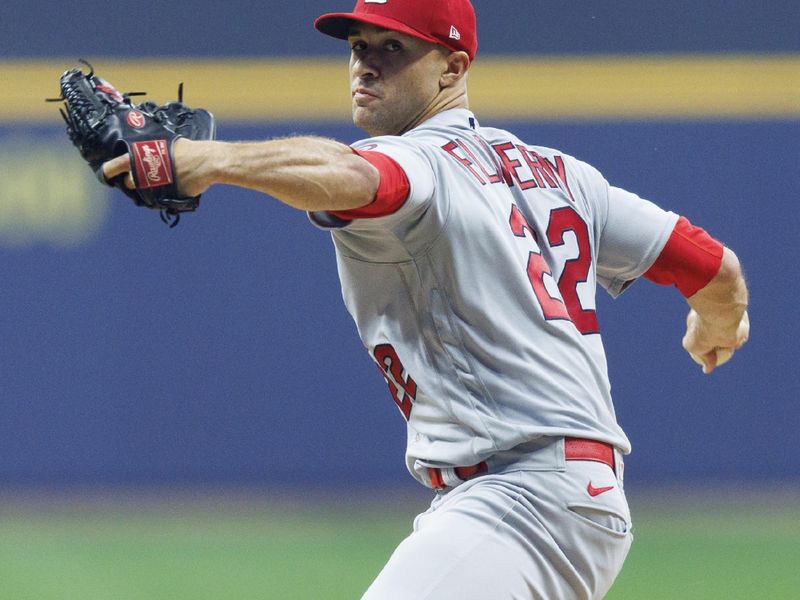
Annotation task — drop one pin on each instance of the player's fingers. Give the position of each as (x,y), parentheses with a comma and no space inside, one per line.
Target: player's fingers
(690,338)
(694,345)
(713,359)
(116,167)
(743,331)
(707,361)
(719,355)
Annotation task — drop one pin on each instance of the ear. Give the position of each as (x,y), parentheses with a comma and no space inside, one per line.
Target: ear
(456,68)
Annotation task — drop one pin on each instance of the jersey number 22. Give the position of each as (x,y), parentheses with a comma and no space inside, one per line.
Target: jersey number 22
(576,270)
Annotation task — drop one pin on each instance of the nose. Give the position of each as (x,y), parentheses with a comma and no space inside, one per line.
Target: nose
(365,65)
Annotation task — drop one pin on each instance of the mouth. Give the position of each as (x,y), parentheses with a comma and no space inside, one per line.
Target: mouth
(363,95)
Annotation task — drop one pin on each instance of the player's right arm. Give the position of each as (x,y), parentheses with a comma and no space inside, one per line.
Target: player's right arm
(640,239)
(710,277)
(308,173)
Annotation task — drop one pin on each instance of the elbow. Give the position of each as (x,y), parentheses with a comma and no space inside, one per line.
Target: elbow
(728,286)
(361,185)
(352,183)
(346,184)
(730,270)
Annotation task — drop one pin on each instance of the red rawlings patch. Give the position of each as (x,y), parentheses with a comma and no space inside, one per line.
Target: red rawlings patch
(152,164)
(135,119)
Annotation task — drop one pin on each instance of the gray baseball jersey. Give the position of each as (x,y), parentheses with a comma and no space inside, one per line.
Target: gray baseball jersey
(477,297)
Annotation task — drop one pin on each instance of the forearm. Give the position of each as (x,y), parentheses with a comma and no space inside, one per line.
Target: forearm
(709,276)
(723,301)
(718,321)
(307,173)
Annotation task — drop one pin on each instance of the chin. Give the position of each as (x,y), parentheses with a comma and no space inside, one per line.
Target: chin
(373,124)
(367,121)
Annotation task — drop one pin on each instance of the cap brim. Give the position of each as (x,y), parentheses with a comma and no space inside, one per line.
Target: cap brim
(338,25)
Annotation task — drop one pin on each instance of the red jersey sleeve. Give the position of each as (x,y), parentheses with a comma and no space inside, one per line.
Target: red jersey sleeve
(392,191)
(690,259)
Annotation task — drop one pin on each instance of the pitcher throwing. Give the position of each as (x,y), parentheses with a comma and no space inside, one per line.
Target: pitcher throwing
(469,260)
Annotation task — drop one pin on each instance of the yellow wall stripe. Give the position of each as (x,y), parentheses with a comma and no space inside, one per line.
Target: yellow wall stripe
(593,88)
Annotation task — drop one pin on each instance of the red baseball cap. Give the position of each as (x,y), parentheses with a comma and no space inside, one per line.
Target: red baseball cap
(449,23)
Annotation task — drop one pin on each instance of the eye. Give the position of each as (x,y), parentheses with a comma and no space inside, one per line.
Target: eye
(393,46)
(357,46)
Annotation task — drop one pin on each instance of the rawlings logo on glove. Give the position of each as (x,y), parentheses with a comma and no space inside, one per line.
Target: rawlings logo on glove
(103,124)
(153,167)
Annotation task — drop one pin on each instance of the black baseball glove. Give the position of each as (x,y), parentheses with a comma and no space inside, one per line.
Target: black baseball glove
(104,124)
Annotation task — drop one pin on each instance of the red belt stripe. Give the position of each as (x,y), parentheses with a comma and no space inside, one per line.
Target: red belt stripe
(574,449)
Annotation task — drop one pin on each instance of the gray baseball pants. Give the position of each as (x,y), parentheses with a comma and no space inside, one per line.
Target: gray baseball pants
(535,527)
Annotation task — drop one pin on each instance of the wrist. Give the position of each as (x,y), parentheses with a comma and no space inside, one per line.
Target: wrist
(720,323)
(196,165)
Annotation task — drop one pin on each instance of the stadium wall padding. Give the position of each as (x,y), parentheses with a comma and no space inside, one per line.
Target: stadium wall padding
(220,350)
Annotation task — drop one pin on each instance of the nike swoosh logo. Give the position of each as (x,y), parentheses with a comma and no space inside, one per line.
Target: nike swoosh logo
(593,491)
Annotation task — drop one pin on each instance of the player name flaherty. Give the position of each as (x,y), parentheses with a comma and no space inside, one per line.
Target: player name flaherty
(509,163)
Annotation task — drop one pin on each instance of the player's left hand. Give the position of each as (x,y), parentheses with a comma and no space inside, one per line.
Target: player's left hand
(713,344)
(185,158)
(104,124)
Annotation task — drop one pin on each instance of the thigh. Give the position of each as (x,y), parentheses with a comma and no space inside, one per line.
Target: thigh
(510,536)
(591,524)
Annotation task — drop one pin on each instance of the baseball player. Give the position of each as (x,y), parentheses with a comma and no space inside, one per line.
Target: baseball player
(469,260)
